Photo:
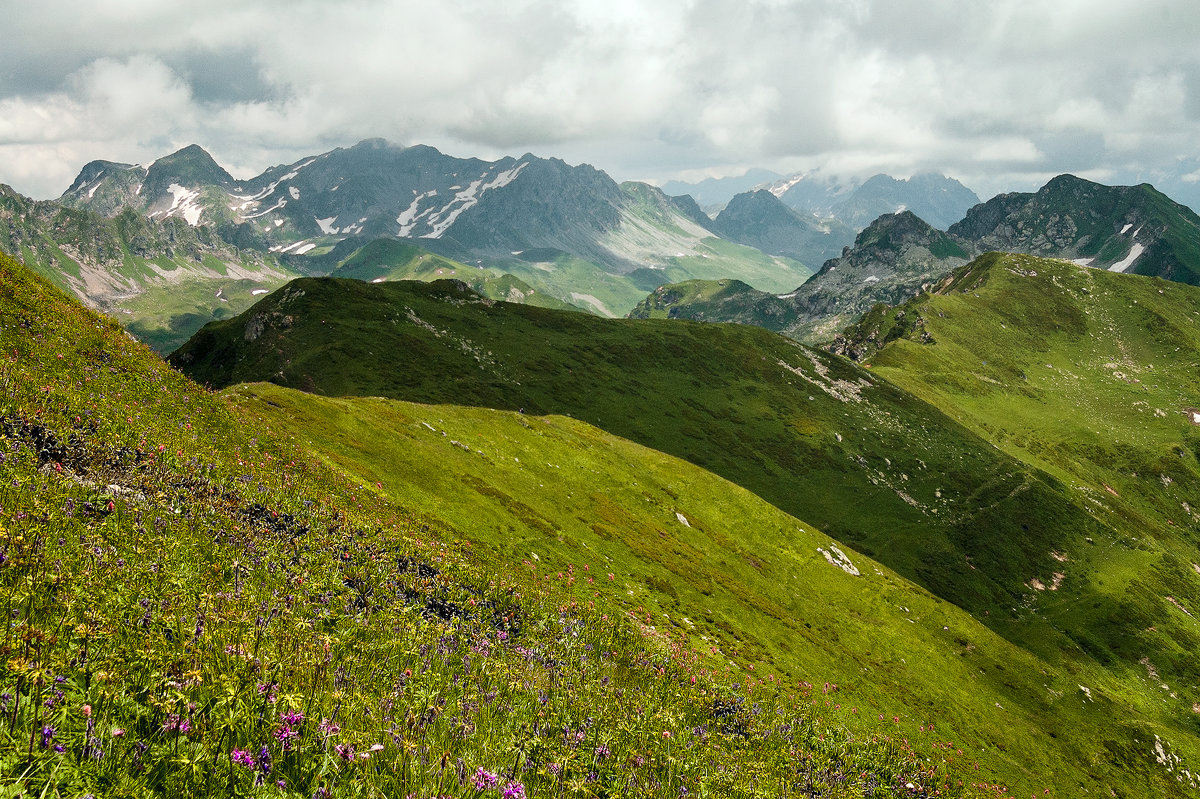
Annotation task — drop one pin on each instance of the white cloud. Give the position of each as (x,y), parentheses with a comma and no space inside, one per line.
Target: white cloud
(643,88)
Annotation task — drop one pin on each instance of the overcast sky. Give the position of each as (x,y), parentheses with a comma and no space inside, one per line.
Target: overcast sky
(1001,94)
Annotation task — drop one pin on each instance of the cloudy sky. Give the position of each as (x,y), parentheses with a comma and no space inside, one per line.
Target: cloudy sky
(1001,94)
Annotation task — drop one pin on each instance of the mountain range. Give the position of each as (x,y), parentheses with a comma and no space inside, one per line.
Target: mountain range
(853,203)
(939,200)
(569,231)
(540,229)
(759,219)
(714,193)
(163,279)
(1133,229)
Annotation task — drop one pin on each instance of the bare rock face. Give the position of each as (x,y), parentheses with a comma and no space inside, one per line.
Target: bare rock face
(255,326)
(892,260)
(1123,228)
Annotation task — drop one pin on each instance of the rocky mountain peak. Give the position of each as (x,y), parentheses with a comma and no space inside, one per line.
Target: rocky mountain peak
(190,166)
(894,229)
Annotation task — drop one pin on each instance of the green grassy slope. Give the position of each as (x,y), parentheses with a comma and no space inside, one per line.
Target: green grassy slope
(1091,376)
(198,607)
(813,434)
(605,293)
(743,582)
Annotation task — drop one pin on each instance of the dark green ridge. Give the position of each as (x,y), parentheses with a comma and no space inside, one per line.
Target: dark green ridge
(393,259)
(815,435)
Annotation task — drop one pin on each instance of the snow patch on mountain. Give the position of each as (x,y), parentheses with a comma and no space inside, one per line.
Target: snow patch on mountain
(326,225)
(296,248)
(274,207)
(271,186)
(444,218)
(780,188)
(1134,252)
(468,197)
(408,217)
(183,203)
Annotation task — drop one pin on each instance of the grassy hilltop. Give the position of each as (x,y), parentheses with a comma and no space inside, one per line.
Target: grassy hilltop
(819,437)
(1093,377)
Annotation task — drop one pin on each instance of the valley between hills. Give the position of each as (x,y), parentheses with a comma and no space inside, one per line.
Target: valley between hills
(399,516)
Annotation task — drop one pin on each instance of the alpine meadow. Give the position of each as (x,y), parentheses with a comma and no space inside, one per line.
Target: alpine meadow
(778,400)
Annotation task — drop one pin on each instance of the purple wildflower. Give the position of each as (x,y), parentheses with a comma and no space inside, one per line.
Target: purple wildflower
(242,758)
(514,790)
(263,763)
(176,724)
(484,779)
(285,734)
